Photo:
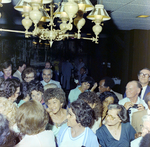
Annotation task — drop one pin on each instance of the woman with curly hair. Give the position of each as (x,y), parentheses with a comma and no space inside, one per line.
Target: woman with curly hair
(34,90)
(116,132)
(9,109)
(107,98)
(94,102)
(77,133)
(55,100)
(10,89)
(32,119)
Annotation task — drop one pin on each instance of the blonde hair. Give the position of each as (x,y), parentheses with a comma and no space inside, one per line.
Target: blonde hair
(8,109)
(31,118)
(51,85)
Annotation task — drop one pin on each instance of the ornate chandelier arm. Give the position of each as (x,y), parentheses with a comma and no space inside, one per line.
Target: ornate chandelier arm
(93,39)
(13,31)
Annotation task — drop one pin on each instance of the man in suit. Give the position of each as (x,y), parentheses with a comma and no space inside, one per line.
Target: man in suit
(47,75)
(106,84)
(137,116)
(21,66)
(144,78)
(7,70)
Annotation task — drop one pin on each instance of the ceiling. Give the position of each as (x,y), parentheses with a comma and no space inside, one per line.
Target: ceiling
(123,15)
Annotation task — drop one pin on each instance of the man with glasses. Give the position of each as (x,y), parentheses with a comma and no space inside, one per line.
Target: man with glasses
(28,74)
(144,78)
(145,130)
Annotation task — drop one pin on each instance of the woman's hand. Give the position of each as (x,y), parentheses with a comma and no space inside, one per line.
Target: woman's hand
(94,86)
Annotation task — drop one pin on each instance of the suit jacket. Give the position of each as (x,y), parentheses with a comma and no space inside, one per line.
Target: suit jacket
(137,120)
(146,91)
(17,75)
(12,77)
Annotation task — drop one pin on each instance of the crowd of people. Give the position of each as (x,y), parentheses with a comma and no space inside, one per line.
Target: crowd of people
(36,112)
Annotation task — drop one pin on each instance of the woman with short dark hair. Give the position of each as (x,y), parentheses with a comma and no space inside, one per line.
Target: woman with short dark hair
(77,133)
(86,84)
(107,98)
(10,89)
(116,132)
(55,100)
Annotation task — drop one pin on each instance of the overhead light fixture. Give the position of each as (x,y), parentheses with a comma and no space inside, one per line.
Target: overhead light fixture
(143,16)
(3,2)
(34,12)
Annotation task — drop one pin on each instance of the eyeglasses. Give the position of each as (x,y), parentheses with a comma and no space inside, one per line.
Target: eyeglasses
(111,117)
(144,75)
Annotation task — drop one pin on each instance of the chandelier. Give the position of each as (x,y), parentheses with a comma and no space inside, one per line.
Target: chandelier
(35,12)
(3,2)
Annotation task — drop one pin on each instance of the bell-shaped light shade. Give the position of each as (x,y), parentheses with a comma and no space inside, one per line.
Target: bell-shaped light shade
(84,5)
(60,12)
(23,6)
(39,1)
(45,17)
(98,13)
(71,8)
(5,1)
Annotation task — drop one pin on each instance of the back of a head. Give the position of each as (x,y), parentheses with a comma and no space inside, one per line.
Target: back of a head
(93,100)
(51,85)
(31,118)
(84,113)
(109,82)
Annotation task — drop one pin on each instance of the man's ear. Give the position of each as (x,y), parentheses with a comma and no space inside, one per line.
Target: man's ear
(139,90)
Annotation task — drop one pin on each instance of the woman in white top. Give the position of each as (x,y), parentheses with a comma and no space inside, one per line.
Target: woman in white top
(32,119)
(77,133)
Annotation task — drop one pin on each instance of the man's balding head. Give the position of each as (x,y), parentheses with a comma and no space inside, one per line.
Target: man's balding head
(133,89)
